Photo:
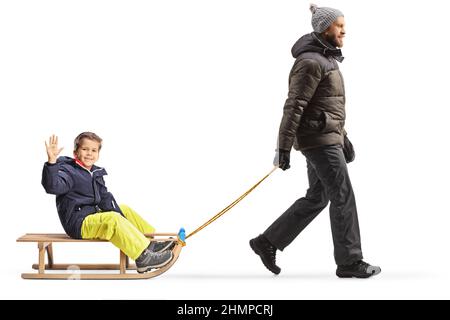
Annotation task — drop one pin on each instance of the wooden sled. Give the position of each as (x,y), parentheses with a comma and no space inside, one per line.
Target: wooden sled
(73,271)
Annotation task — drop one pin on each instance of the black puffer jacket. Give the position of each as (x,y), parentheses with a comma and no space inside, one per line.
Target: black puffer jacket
(314,112)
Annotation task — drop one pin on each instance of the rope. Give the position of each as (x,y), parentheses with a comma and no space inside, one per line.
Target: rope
(235,202)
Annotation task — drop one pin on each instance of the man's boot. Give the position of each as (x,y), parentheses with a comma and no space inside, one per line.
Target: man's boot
(358,269)
(266,251)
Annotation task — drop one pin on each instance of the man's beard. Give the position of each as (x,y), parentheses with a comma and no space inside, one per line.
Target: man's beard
(331,40)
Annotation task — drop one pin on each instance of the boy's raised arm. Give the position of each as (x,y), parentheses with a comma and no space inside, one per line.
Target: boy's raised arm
(52,149)
(54,180)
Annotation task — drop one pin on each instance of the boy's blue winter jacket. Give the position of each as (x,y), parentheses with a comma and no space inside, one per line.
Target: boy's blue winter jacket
(79,192)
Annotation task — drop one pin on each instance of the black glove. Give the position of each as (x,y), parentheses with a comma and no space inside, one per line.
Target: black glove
(349,152)
(282,159)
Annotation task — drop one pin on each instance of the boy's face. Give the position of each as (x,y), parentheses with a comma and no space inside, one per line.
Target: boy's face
(88,152)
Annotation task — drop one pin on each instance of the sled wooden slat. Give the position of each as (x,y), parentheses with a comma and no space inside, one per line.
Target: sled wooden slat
(73,271)
(83,266)
(62,237)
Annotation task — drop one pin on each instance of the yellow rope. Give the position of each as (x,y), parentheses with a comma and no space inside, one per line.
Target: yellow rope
(235,202)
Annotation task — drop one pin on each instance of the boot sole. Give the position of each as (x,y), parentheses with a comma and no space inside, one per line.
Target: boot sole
(258,252)
(351,275)
(148,268)
(348,274)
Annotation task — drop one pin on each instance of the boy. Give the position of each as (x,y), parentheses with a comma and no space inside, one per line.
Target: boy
(88,211)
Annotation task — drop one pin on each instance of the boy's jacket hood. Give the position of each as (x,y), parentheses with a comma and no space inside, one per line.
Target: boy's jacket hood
(71,161)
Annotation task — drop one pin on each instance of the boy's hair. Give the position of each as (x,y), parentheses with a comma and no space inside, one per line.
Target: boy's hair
(87,135)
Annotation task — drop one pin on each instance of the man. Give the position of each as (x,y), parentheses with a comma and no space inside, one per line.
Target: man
(313,122)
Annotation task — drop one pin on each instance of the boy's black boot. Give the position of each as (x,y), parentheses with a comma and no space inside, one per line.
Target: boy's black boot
(266,251)
(160,246)
(358,269)
(148,260)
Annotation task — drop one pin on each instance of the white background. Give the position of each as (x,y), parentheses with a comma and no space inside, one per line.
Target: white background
(188,97)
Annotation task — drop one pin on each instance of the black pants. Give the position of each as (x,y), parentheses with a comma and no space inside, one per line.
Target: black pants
(328,181)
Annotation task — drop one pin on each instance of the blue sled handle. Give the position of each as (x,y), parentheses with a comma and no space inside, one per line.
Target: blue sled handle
(182,235)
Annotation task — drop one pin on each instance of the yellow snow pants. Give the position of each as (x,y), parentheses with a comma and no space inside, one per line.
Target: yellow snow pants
(126,233)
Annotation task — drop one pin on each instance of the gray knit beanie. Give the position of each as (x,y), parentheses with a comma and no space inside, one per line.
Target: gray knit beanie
(323,17)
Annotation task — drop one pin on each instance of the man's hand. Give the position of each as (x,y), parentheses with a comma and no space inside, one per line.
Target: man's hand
(52,149)
(282,159)
(349,152)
